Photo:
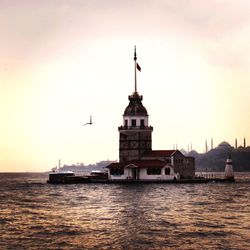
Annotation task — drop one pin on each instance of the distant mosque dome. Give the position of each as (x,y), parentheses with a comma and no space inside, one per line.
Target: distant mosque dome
(224,145)
(135,106)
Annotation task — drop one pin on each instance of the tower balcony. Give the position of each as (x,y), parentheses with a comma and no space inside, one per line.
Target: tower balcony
(149,128)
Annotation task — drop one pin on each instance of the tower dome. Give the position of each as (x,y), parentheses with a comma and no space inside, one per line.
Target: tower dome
(135,107)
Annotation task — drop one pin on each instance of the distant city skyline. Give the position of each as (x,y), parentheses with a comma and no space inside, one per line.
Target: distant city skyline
(63,61)
(208,147)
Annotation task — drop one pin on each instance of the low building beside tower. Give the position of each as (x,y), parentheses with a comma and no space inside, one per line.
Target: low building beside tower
(137,160)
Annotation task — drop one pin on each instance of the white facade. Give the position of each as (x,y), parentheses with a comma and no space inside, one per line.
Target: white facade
(229,174)
(127,121)
(133,172)
(145,176)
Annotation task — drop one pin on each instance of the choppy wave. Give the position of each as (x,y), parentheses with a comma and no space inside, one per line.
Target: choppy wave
(36,215)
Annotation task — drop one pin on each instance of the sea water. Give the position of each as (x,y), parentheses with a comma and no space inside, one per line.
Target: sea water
(37,215)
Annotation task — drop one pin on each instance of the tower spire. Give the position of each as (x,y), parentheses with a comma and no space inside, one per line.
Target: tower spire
(135,58)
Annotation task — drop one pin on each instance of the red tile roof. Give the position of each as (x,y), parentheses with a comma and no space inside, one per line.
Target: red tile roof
(148,163)
(116,165)
(139,164)
(159,153)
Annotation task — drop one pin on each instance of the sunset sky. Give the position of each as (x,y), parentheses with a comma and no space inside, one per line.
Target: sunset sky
(62,61)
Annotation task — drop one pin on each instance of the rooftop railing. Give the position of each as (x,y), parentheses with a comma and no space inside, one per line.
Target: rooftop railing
(135,127)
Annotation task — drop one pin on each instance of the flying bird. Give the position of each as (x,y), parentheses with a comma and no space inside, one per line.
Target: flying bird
(88,123)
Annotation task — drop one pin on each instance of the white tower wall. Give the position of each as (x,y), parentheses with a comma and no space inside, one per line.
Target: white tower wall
(229,174)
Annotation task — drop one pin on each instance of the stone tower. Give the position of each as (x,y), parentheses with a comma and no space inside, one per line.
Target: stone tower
(135,133)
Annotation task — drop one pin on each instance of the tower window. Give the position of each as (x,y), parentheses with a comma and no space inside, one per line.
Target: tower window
(142,123)
(133,122)
(126,123)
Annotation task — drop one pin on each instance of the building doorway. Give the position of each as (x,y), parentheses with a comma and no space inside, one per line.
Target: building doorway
(135,174)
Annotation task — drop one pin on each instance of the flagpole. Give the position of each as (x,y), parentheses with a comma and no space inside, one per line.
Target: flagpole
(135,58)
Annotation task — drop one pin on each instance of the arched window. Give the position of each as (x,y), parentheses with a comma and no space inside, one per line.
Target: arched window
(167,171)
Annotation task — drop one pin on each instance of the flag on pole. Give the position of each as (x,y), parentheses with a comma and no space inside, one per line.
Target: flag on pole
(138,67)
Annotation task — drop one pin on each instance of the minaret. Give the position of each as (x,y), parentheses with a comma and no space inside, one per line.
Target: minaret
(236,146)
(135,133)
(206,147)
(244,142)
(212,143)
